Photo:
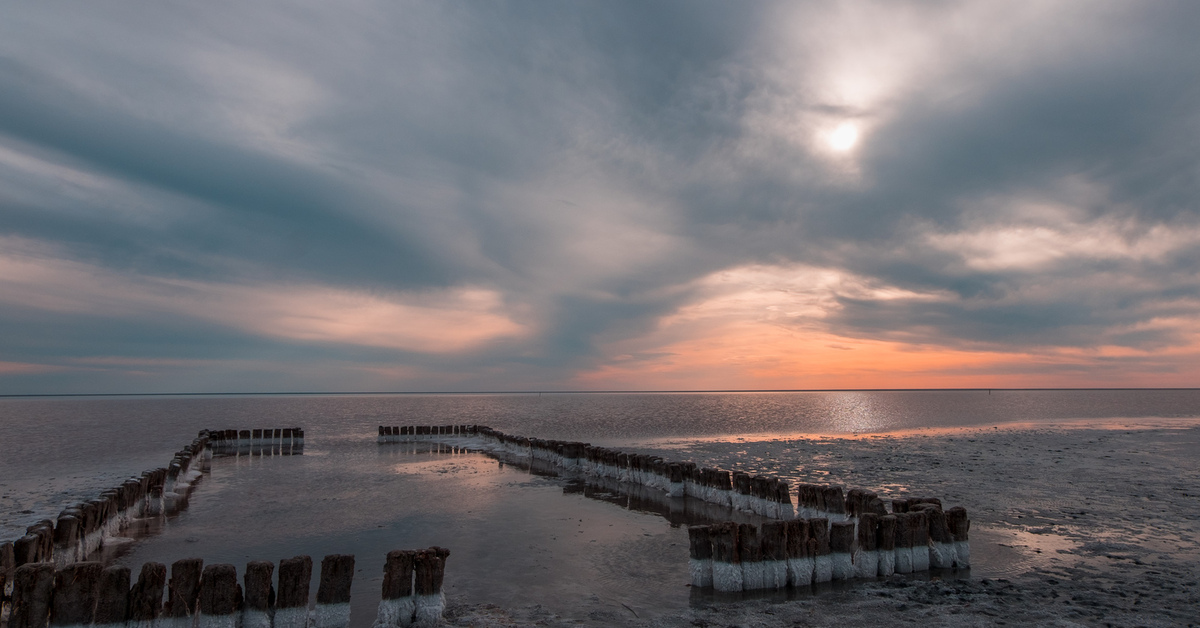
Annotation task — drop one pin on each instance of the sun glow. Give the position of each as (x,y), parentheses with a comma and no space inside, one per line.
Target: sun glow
(843,138)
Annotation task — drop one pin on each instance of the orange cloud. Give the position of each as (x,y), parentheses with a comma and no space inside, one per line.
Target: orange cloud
(763,327)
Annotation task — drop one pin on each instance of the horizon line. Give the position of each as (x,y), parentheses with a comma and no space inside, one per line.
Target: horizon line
(581,392)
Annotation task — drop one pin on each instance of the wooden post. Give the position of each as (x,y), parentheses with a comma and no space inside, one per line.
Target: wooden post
(183,591)
(146,597)
(33,588)
(74,600)
(800,562)
(700,556)
(886,542)
(396,605)
(112,598)
(429,568)
(941,546)
(919,518)
(960,525)
(822,560)
(219,597)
(333,593)
(904,541)
(291,607)
(841,545)
(259,595)
(727,568)
(750,551)
(866,559)
(773,544)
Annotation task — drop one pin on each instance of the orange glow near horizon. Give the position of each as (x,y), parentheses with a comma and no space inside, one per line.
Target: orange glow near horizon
(752,355)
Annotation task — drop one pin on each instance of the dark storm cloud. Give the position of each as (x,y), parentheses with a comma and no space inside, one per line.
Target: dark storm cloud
(589,163)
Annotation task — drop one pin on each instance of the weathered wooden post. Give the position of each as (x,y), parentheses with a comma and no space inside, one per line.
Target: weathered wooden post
(33,589)
(429,568)
(886,542)
(822,560)
(841,544)
(112,598)
(218,597)
(866,560)
(291,607)
(333,592)
(396,605)
(183,592)
(146,597)
(74,599)
(700,560)
(727,567)
(800,562)
(919,519)
(773,542)
(904,541)
(259,595)
(959,524)
(941,547)
(750,551)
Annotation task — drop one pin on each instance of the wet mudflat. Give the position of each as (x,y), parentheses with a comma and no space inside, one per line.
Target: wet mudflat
(1071,526)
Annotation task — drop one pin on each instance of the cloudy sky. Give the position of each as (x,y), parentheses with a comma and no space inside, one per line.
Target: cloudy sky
(379,195)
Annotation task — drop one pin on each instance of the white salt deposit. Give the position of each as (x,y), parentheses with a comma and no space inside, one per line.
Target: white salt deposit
(331,616)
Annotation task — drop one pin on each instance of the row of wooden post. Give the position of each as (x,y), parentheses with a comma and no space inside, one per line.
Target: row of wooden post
(731,557)
(763,495)
(277,441)
(90,594)
(81,529)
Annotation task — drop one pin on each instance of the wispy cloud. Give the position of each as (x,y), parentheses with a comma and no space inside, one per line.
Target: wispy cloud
(679,195)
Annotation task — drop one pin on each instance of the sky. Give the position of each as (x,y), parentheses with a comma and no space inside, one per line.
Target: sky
(489,196)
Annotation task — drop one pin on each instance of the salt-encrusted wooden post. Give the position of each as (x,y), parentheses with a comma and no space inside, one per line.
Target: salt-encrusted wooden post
(700,559)
(291,607)
(183,591)
(396,605)
(727,568)
(904,541)
(33,588)
(429,567)
(919,521)
(74,600)
(724,487)
(758,496)
(887,545)
(68,542)
(112,598)
(8,564)
(675,477)
(146,597)
(258,594)
(866,559)
(218,597)
(741,488)
(784,497)
(822,560)
(750,551)
(959,524)
(841,545)
(941,546)
(800,562)
(333,593)
(835,503)
(773,541)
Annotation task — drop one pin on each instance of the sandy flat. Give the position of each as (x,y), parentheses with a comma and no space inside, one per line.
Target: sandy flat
(1071,525)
